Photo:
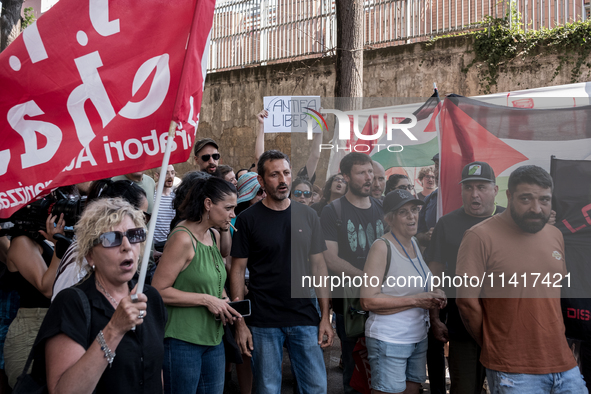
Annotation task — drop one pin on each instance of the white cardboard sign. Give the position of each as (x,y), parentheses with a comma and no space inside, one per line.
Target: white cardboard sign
(289,114)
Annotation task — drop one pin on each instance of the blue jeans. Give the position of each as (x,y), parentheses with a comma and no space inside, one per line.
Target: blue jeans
(567,382)
(307,360)
(347,346)
(190,368)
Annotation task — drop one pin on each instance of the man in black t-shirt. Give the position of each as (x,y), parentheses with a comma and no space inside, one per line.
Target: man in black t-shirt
(478,196)
(278,239)
(349,238)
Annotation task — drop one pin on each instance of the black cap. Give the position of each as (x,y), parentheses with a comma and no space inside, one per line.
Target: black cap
(397,198)
(203,142)
(436,157)
(478,171)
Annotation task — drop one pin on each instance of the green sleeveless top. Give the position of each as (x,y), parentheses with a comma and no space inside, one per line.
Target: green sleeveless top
(205,274)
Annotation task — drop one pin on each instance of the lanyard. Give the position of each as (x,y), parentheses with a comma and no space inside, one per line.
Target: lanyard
(418,259)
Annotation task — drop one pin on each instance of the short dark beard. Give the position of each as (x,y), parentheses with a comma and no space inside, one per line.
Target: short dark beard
(531,228)
(358,192)
(274,195)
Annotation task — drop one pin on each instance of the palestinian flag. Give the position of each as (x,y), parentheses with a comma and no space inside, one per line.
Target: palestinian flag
(506,138)
(414,154)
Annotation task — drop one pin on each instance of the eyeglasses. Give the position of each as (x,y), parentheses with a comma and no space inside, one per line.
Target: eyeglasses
(112,239)
(429,177)
(405,187)
(298,193)
(405,212)
(216,156)
(340,180)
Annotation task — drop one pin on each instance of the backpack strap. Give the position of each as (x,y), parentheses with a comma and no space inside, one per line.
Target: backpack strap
(337,207)
(388,258)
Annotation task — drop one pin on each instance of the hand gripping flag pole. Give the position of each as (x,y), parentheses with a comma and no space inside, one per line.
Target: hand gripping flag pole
(152,226)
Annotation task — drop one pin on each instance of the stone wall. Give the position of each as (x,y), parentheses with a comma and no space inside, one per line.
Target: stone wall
(233,98)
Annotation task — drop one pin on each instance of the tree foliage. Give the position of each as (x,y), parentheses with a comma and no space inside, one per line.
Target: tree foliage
(28,19)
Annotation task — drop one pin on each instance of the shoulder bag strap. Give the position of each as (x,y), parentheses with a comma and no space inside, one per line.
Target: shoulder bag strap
(86,307)
(388,258)
(337,207)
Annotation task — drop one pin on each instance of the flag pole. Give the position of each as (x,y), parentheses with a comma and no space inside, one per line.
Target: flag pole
(438,129)
(156,208)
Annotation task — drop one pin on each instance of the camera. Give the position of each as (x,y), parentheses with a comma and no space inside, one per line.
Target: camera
(31,218)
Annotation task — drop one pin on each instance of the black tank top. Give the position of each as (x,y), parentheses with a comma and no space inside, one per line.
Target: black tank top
(30,297)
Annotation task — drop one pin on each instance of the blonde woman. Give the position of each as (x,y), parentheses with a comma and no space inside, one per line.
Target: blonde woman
(110,356)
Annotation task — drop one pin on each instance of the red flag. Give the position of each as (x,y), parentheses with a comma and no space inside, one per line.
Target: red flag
(90,90)
(463,141)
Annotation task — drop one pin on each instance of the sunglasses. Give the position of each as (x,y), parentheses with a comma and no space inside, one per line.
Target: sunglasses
(340,180)
(298,193)
(112,239)
(216,156)
(405,187)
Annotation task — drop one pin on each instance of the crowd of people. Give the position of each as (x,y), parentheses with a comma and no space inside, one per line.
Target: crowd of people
(224,236)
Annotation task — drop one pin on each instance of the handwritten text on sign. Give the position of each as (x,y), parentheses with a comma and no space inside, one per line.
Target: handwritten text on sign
(289,114)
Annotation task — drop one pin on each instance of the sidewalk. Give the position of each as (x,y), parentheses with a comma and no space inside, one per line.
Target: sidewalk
(334,373)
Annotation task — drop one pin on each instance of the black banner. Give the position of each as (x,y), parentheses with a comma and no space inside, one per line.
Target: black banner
(572,203)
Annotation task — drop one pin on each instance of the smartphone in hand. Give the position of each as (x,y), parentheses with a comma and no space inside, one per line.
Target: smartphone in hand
(242,307)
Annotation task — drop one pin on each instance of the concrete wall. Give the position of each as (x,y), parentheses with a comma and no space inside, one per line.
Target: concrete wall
(233,98)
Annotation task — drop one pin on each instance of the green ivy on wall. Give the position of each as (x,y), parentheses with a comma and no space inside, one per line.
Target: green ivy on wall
(503,40)
(29,17)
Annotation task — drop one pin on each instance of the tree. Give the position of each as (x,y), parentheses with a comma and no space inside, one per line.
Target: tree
(349,53)
(10,22)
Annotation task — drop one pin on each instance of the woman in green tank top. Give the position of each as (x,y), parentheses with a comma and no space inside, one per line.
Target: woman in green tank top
(190,277)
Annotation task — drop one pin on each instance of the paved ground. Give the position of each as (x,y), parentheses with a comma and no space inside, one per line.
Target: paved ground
(334,373)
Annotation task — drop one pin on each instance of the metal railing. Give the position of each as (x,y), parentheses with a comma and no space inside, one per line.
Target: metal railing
(253,32)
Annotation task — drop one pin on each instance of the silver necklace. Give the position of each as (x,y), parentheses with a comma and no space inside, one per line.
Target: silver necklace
(107,294)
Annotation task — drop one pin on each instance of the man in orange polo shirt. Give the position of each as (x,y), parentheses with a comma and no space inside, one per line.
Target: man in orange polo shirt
(514,317)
